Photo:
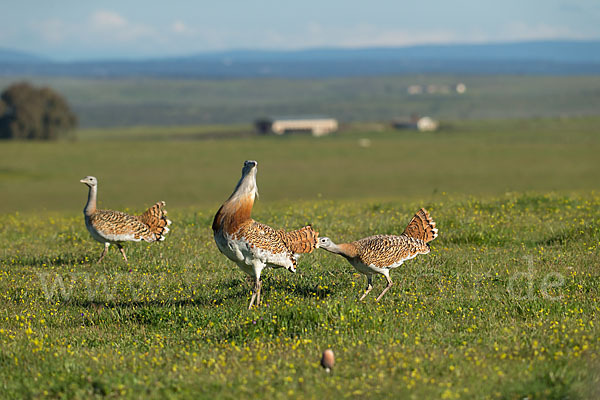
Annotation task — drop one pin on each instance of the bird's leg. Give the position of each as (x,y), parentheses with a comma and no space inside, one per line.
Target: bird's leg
(389,285)
(255,293)
(369,287)
(258,295)
(258,266)
(122,251)
(104,251)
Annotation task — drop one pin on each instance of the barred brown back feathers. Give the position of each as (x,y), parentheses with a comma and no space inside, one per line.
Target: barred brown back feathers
(303,240)
(421,227)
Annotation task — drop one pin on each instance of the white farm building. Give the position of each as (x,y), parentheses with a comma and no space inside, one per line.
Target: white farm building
(317,126)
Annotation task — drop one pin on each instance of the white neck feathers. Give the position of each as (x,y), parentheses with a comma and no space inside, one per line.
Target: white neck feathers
(90,207)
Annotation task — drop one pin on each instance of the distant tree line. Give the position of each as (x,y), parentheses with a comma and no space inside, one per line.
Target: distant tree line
(27,112)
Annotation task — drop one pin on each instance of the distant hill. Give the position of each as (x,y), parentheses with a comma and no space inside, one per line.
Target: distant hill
(557,51)
(529,58)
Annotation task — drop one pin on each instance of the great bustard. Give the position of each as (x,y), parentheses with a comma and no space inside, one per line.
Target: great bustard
(252,245)
(378,254)
(115,227)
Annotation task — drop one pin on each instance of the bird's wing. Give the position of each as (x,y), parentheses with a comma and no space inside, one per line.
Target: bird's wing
(262,236)
(120,226)
(303,240)
(389,250)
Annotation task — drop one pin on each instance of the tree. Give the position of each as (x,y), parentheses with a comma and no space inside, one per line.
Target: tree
(27,112)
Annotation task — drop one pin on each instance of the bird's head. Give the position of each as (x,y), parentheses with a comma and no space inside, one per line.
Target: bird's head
(250,166)
(247,183)
(91,181)
(325,243)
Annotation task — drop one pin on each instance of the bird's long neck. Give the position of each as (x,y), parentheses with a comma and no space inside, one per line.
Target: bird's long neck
(347,250)
(238,208)
(90,207)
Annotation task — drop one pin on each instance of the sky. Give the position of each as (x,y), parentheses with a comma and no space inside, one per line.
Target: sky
(83,30)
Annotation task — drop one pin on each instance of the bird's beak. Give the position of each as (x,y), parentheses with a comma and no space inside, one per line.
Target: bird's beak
(82,180)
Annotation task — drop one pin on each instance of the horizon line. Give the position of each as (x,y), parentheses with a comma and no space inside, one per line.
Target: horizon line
(40,57)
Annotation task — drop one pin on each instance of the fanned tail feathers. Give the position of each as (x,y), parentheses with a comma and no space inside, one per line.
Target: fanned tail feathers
(156,220)
(303,240)
(422,227)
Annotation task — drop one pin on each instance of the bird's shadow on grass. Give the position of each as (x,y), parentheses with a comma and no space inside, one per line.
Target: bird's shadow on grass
(232,289)
(42,261)
(300,288)
(228,291)
(127,304)
(570,235)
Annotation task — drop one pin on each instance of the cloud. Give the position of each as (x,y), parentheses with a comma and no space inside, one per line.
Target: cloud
(109,25)
(362,35)
(367,35)
(107,20)
(102,32)
(180,27)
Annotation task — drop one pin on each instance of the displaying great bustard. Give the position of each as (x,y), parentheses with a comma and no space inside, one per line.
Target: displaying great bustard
(115,227)
(378,254)
(252,245)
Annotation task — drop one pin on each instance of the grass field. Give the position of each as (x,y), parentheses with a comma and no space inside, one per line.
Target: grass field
(505,305)
(469,158)
(165,102)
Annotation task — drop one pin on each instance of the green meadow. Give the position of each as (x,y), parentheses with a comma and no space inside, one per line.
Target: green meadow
(132,101)
(505,305)
(471,158)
